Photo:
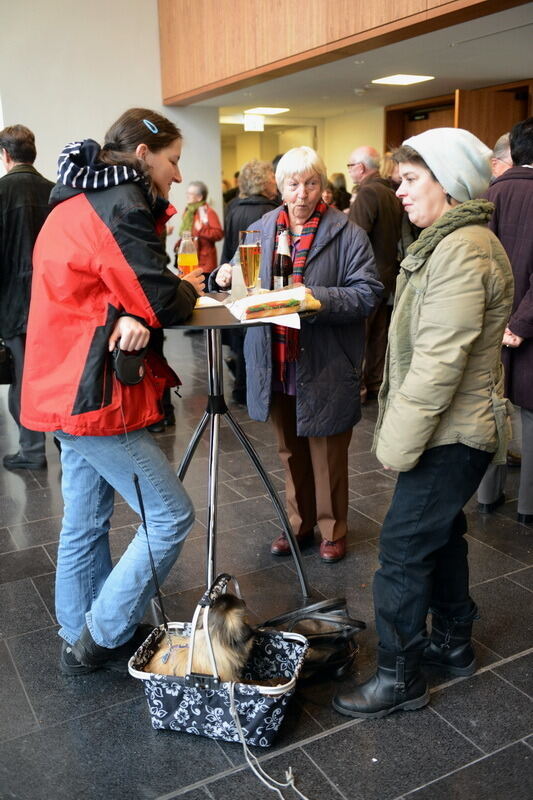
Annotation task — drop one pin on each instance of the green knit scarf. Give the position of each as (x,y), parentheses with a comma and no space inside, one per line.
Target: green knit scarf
(471,212)
(188,215)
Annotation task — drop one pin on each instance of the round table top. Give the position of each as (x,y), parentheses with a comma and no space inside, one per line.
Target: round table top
(220,317)
(215,317)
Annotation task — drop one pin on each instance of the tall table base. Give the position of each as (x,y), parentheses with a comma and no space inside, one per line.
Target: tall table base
(216,409)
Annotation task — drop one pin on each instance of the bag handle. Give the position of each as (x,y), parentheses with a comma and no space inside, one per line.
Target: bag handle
(209,597)
(318,611)
(218,588)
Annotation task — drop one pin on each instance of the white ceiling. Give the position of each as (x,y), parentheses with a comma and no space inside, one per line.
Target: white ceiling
(490,50)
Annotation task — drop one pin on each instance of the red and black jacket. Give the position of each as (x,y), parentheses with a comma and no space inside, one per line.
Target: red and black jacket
(97,257)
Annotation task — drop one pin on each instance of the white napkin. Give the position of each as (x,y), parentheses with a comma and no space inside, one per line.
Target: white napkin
(207,302)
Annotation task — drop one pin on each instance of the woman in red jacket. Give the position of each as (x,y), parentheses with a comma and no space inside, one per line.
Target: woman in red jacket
(100,281)
(203,223)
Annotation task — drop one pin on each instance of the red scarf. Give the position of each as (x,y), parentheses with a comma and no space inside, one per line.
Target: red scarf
(285,341)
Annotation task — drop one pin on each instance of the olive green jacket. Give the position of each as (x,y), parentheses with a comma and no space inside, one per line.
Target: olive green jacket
(443,377)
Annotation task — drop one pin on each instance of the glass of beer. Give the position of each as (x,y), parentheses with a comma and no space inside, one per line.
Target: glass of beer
(250,256)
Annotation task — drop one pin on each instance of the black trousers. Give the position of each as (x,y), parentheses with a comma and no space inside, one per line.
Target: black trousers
(423,553)
(31,443)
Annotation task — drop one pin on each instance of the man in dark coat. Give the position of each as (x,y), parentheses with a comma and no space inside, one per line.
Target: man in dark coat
(377,210)
(512,194)
(24,197)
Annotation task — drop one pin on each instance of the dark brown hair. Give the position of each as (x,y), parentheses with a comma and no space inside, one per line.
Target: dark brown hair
(521,141)
(19,143)
(406,153)
(134,127)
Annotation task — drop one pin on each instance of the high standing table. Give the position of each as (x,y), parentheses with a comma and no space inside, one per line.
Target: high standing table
(213,320)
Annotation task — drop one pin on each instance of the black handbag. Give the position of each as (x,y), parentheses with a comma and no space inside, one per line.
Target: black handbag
(6,363)
(331,633)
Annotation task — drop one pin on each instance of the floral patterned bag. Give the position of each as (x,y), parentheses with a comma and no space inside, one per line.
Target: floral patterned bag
(231,711)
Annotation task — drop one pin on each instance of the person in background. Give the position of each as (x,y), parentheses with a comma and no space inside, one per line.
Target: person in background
(203,223)
(100,282)
(231,192)
(307,382)
(275,162)
(257,195)
(24,207)
(328,195)
(501,159)
(377,210)
(442,418)
(389,170)
(512,194)
(341,197)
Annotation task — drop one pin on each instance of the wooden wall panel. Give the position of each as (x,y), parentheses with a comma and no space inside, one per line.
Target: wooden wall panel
(212,46)
(494,110)
(350,17)
(277,37)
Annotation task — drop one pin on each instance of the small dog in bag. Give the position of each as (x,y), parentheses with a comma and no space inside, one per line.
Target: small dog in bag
(231,638)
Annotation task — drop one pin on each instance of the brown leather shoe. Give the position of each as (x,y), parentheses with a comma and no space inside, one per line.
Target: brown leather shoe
(332,551)
(281,547)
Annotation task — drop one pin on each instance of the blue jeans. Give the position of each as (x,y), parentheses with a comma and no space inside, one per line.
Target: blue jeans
(112,600)
(422,549)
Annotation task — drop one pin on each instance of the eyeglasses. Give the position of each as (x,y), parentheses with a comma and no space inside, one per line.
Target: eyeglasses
(355,164)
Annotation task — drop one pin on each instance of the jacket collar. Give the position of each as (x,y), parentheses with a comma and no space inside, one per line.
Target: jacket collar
(22,168)
(374,178)
(512,174)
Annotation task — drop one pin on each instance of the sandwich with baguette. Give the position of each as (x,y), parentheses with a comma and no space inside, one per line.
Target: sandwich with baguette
(274,307)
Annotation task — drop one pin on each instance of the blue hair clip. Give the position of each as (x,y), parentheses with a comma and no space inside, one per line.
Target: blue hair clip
(150,125)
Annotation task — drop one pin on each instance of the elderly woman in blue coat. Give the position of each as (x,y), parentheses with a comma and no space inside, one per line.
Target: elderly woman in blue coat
(307,381)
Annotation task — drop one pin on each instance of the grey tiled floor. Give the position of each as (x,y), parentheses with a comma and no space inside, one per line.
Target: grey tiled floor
(91,737)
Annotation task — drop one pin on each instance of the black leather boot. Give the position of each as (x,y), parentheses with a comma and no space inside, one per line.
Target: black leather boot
(87,653)
(450,646)
(397,685)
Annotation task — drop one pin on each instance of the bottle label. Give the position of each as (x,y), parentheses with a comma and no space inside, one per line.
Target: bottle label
(278,282)
(283,244)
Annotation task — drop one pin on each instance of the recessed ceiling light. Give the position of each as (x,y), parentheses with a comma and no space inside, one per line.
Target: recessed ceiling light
(254,122)
(266,111)
(403,80)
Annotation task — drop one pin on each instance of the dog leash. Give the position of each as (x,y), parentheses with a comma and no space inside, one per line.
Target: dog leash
(155,579)
(266,779)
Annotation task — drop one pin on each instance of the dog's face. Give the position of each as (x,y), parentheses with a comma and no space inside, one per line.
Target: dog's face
(228,622)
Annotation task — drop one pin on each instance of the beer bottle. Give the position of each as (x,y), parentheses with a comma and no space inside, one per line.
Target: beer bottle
(283,263)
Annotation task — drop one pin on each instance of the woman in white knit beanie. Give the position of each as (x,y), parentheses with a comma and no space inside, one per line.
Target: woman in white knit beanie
(442,418)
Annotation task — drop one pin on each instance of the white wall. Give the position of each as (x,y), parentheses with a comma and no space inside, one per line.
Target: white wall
(344,133)
(67,71)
